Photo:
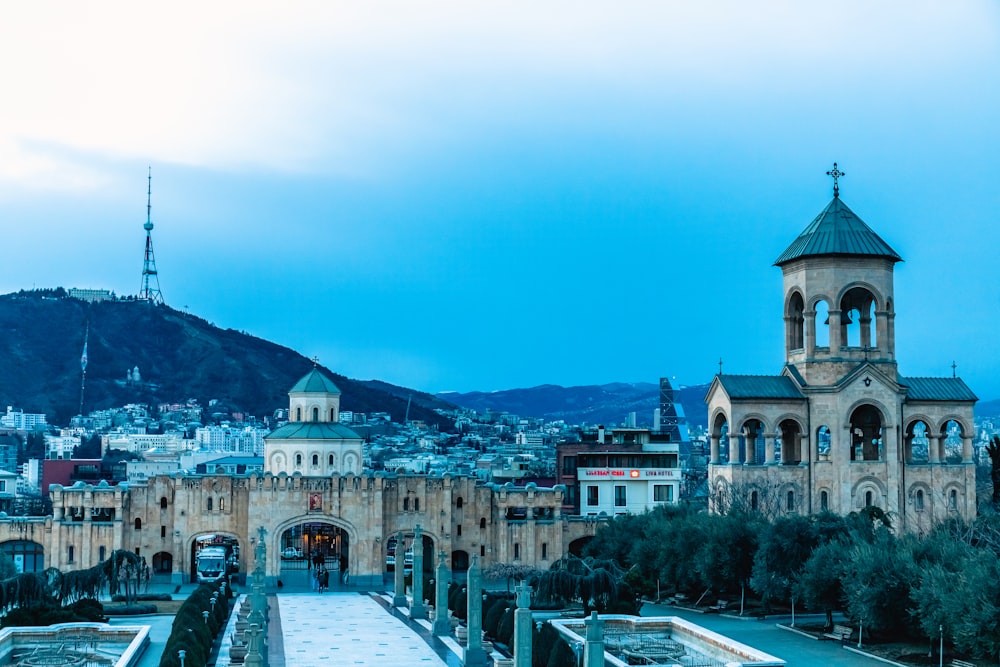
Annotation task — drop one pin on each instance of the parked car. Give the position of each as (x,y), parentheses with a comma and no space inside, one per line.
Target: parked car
(292,553)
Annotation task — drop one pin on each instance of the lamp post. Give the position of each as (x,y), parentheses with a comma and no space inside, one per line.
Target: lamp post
(182,654)
(205,614)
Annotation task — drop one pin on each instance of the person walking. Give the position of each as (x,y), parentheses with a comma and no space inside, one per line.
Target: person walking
(324,579)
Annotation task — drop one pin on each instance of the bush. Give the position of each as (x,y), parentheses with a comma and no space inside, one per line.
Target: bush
(48,613)
(144,597)
(130,610)
(190,633)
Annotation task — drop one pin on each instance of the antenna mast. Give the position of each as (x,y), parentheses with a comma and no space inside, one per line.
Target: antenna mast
(150,280)
(83,366)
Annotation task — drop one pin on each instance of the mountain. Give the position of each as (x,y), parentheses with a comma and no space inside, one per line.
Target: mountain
(607,404)
(179,356)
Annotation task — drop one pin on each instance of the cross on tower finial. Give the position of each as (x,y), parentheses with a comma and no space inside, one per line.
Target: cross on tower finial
(953,367)
(720,365)
(836,173)
(315,361)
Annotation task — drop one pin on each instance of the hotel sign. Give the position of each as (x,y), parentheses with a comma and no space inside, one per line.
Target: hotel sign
(630,473)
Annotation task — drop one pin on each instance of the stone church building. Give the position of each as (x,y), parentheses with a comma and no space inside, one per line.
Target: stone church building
(839,428)
(313,498)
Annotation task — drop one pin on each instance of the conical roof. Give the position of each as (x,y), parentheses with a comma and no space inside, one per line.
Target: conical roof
(837,231)
(314,382)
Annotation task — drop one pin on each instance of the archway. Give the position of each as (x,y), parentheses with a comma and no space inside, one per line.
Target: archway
(866,434)
(577,545)
(459,560)
(28,556)
(213,557)
(309,547)
(163,562)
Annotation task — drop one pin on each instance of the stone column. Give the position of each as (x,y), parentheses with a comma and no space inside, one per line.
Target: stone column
(933,449)
(593,652)
(418,609)
(399,598)
(836,339)
(805,451)
(768,449)
(522,626)
(749,448)
(810,332)
(442,626)
(714,450)
(966,449)
(474,655)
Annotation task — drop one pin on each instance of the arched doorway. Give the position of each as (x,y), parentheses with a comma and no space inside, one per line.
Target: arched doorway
(309,547)
(163,562)
(28,556)
(459,560)
(213,557)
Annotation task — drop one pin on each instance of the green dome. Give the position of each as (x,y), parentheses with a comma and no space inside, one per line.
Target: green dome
(838,232)
(313,431)
(314,382)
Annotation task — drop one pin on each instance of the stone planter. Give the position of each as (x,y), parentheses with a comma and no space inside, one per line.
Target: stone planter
(238,652)
(462,635)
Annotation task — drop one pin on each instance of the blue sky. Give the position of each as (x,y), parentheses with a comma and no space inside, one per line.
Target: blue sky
(479,196)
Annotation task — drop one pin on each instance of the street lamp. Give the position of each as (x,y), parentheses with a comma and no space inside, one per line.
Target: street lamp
(205,614)
(181,654)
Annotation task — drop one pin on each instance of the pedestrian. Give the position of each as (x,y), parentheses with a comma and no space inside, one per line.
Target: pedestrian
(324,579)
(315,580)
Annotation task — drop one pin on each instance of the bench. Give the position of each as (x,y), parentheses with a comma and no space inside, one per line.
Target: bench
(720,605)
(961,663)
(841,632)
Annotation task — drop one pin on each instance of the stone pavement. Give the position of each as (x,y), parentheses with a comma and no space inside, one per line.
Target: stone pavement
(321,630)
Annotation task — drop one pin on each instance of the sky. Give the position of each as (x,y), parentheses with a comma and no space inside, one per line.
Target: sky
(459,196)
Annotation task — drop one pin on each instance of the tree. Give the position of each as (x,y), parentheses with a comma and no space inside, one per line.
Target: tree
(726,557)
(785,546)
(593,582)
(876,584)
(993,449)
(818,583)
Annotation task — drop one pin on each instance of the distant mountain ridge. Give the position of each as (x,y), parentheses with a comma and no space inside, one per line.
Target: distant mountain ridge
(607,404)
(179,356)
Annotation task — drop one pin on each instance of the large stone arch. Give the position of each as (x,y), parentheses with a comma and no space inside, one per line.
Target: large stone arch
(847,288)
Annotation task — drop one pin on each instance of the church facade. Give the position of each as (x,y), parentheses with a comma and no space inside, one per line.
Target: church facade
(839,428)
(312,499)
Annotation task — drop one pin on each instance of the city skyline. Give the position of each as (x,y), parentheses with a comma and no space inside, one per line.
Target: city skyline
(469,197)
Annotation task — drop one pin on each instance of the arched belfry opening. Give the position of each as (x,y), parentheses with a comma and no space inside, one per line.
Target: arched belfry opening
(857,319)
(866,434)
(795,322)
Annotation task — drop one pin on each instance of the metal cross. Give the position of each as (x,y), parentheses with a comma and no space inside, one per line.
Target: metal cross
(315,359)
(953,367)
(836,173)
(720,365)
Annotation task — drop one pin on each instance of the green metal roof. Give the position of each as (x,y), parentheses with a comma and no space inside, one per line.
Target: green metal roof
(759,386)
(313,431)
(314,382)
(937,389)
(837,231)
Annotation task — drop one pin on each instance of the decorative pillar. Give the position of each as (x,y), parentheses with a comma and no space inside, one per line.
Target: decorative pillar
(933,449)
(966,449)
(714,450)
(255,657)
(593,652)
(399,598)
(810,332)
(836,335)
(749,447)
(522,626)
(474,655)
(768,449)
(442,626)
(418,609)
(805,451)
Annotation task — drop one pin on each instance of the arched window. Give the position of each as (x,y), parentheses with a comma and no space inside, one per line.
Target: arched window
(822,324)
(315,414)
(406,504)
(545,550)
(163,503)
(482,550)
(332,415)
(790,501)
(868,498)
(482,524)
(298,414)
(315,459)
(458,503)
(222,504)
(953,499)
(209,504)
(138,523)
(795,321)
(866,434)
(824,501)
(70,553)
(102,551)
(517,551)
(918,501)
(298,459)
(823,440)
(458,530)
(753,500)
(329,461)
(416,504)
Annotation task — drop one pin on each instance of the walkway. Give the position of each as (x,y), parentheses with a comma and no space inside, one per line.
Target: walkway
(351,629)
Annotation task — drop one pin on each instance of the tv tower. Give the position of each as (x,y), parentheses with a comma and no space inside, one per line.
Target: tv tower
(150,281)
